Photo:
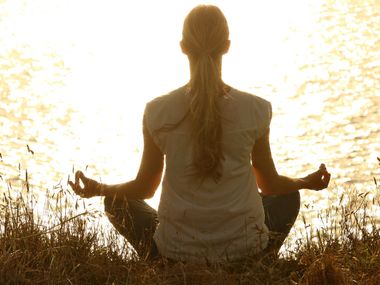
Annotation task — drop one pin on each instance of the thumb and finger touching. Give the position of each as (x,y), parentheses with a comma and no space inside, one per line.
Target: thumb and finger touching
(319,179)
(76,185)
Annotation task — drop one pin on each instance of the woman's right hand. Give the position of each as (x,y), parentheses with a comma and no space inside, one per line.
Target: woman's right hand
(318,180)
(90,187)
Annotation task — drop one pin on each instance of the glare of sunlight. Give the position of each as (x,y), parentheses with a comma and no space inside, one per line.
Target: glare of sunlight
(121,54)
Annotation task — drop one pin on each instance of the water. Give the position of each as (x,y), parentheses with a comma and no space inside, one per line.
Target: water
(75,77)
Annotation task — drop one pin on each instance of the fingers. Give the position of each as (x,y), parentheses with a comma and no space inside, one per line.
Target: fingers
(325,175)
(83,186)
(326,178)
(79,176)
(76,186)
(322,167)
(320,179)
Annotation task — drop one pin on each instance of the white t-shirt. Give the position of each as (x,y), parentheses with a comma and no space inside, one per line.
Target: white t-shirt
(213,221)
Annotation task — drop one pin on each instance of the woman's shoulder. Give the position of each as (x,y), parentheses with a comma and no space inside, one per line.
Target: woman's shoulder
(172,97)
(249,98)
(168,107)
(252,108)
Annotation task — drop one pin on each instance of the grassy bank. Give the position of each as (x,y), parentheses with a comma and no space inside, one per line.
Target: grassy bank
(68,248)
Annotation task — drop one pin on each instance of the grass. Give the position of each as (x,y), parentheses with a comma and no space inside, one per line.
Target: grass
(68,246)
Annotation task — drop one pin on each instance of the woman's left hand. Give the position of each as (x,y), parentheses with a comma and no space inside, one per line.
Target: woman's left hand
(91,187)
(318,180)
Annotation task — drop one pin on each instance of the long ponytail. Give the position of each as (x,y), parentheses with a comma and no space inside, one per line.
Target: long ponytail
(205,34)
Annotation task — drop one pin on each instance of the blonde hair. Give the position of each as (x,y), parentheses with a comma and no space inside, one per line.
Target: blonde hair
(204,39)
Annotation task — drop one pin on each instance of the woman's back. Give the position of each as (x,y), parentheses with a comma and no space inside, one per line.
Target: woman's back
(202,218)
(207,133)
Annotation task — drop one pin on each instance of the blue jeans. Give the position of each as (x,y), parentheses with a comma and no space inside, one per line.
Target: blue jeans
(137,221)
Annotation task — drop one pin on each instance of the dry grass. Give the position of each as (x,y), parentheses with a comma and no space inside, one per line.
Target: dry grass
(71,249)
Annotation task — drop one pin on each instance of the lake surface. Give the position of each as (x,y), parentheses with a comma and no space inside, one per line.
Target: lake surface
(75,77)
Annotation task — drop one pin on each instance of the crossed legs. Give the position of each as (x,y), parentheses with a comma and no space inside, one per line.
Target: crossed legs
(137,221)
(280,214)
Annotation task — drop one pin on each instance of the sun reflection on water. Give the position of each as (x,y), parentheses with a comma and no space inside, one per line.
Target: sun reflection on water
(75,77)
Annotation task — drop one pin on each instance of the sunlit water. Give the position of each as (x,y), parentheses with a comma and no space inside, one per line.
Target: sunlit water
(75,77)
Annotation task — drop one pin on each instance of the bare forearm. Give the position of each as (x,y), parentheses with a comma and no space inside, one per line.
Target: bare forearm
(142,187)
(131,190)
(287,185)
(280,185)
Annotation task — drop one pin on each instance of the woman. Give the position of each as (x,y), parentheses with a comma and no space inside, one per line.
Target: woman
(215,143)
